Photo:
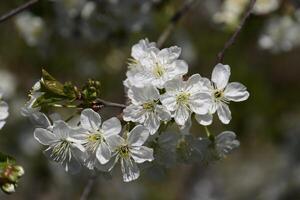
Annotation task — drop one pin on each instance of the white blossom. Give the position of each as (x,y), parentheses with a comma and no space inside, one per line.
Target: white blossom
(231,11)
(35,93)
(31,28)
(262,7)
(221,93)
(8,82)
(281,34)
(184,97)
(63,147)
(129,151)
(139,51)
(156,67)
(3,111)
(145,108)
(93,137)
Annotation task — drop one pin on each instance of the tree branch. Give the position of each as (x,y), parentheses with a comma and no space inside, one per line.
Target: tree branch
(88,188)
(173,22)
(17,10)
(231,41)
(109,104)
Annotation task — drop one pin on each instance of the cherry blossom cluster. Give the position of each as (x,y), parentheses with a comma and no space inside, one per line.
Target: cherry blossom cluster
(161,95)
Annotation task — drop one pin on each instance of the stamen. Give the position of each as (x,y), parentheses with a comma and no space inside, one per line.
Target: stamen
(124,151)
(183,98)
(158,70)
(61,151)
(149,106)
(93,141)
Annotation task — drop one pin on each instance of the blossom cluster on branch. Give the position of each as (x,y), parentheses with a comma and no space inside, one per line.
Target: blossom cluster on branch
(155,123)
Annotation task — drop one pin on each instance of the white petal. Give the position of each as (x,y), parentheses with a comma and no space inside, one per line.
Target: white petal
(103,153)
(163,113)
(141,78)
(206,85)
(236,92)
(3,110)
(204,120)
(169,54)
(174,85)
(134,113)
(177,68)
(91,162)
(185,129)
(114,141)
(61,129)
(141,49)
(152,122)
(72,165)
(224,113)
(193,84)
(199,103)
(111,126)
(220,75)
(181,115)
(143,95)
(109,165)
(80,134)
(138,135)
(90,120)
(169,101)
(2,123)
(76,144)
(44,136)
(142,154)
(129,169)
(39,119)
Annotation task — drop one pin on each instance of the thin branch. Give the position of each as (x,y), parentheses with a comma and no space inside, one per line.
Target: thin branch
(109,104)
(220,56)
(173,21)
(88,188)
(17,10)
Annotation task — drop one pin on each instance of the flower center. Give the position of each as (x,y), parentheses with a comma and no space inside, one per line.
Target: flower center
(61,151)
(183,98)
(124,151)
(149,106)
(158,70)
(218,94)
(93,141)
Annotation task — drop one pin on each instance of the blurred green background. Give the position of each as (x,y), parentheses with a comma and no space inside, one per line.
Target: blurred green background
(75,43)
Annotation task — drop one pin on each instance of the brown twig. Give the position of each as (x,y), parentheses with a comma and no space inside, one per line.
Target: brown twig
(109,104)
(17,10)
(173,21)
(232,39)
(88,188)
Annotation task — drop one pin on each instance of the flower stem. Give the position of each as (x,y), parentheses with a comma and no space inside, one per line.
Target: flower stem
(207,132)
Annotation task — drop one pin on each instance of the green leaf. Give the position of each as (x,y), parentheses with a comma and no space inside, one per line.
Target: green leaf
(6,159)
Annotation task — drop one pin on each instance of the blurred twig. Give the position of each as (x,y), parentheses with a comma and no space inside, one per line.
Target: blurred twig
(109,104)
(174,20)
(17,10)
(220,56)
(88,188)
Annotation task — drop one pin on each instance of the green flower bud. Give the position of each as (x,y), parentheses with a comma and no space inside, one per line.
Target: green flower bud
(8,188)
(19,170)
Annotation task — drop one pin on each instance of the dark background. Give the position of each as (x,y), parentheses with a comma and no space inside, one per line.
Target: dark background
(266,166)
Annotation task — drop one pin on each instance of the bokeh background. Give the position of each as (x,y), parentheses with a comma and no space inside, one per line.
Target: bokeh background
(79,39)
